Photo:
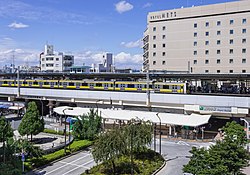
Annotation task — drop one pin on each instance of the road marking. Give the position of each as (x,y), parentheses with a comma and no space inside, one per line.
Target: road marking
(77,167)
(75,164)
(182,143)
(66,164)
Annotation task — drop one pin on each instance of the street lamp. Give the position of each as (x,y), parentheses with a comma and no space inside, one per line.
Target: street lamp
(157,114)
(65,128)
(42,106)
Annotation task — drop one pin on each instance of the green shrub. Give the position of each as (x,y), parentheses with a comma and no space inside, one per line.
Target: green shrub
(51,131)
(145,162)
(37,162)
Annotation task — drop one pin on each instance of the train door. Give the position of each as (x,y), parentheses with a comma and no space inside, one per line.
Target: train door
(77,85)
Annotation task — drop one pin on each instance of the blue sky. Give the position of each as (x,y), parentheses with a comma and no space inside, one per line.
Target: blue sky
(84,28)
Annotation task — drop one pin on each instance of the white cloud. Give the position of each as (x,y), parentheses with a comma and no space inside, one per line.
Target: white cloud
(132,44)
(147,5)
(15,25)
(123,6)
(21,56)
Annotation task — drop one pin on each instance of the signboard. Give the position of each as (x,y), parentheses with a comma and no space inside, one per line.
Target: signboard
(215,109)
(23,157)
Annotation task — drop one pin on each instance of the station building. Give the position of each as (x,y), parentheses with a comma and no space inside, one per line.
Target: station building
(207,39)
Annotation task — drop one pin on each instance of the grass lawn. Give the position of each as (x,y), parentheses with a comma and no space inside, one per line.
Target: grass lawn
(144,163)
(45,159)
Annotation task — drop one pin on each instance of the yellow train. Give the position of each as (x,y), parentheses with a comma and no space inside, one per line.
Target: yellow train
(130,86)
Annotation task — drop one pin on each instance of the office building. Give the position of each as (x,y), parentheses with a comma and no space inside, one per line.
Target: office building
(51,62)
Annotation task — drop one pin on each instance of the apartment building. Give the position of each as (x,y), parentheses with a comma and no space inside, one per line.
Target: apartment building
(51,62)
(203,39)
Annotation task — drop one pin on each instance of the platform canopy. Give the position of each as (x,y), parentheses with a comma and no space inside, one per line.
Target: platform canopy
(192,120)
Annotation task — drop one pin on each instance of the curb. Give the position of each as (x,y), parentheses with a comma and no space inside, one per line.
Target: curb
(57,160)
(162,166)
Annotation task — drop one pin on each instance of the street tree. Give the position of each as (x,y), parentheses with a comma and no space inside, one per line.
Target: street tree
(109,146)
(227,156)
(87,126)
(32,123)
(125,140)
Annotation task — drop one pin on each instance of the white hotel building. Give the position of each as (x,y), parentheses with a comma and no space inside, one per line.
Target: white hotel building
(204,39)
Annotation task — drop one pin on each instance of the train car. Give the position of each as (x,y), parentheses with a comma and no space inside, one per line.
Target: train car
(129,86)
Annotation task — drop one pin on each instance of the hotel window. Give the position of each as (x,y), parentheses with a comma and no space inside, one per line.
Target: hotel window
(206,61)
(163,62)
(244,50)
(231,32)
(163,36)
(218,32)
(163,45)
(218,51)
(195,52)
(207,52)
(154,45)
(207,24)
(42,59)
(244,21)
(218,23)
(163,53)
(231,21)
(164,28)
(206,71)
(218,42)
(57,59)
(154,29)
(244,71)
(244,40)
(244,60)
(195,43)
(154,54)
(195,34)
(195,61)
(231,61)
(218,71)
(231,51)
(231,71)
(206,43)
(218,61)
(231,41)
(195,25)
(244,30)
(154,37)
(154,62)
(207,33)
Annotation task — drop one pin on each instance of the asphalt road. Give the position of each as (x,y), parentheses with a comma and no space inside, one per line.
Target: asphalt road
(176,154)
(73,165)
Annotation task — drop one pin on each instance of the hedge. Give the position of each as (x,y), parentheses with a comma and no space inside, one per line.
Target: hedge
(45,159)
(51,131)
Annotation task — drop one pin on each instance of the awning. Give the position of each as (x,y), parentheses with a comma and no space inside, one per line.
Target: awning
(192,120)
(16,107)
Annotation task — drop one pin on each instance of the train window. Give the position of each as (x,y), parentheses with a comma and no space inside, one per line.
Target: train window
(131,85)
(55,83)
(116,85)
(150,86)
(60,83)
(98,84)
(65,83)
(71,84)
(5,82)
(24,82)
(91,84)
(139,86)
(35,83)
(111,85)
(52,83)
(46,83)
(123,85)
(165,86)
(84,84)
(106,85)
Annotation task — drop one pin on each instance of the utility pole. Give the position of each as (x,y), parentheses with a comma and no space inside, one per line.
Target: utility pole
(148,90)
